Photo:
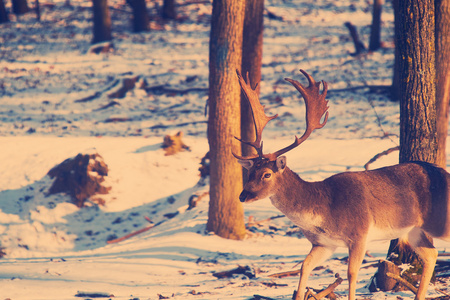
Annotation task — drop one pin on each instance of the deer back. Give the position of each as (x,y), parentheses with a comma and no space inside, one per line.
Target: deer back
(384,203)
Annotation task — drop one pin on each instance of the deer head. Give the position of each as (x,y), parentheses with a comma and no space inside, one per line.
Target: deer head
(266,169)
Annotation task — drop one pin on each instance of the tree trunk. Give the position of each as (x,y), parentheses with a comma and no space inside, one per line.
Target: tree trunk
(140,15)
(395,90)
(442,75)
(251,64)
(102,21)
(169,11)
(19,7)
(38,10)
(226,214)
(416,27)
(375,31)
(415,62)
(3,14)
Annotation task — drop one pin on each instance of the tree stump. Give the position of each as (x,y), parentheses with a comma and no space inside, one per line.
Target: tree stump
(80,177)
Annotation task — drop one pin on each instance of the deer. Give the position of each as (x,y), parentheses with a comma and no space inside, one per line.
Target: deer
(406,201)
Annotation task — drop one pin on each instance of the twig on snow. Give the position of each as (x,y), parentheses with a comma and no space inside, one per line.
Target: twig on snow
(361,87)
(285,274)
(259,297)
(247,271)
(329,289)
(400,280)
(133,233)
(359,46)
(251,222)
(97,94)
(164,89)
(93,295)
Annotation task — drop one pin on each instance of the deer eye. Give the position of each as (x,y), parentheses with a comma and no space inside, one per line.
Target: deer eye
(267,175)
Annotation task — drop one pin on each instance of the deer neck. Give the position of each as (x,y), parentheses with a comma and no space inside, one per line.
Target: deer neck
(299,200)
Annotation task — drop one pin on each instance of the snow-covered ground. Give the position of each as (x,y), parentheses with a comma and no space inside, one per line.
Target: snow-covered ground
(54,104)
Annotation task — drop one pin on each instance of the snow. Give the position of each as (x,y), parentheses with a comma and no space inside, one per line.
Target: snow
(55,250)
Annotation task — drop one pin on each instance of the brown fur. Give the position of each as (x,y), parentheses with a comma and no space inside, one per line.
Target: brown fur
(348,209)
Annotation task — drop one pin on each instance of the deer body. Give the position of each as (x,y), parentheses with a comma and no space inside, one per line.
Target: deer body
(352,208)
(383,204)
(349,209)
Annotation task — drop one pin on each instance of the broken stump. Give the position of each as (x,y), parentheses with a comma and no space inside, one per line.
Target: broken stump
(81,177)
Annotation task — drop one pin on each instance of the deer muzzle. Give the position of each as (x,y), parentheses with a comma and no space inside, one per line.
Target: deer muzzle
(246,195)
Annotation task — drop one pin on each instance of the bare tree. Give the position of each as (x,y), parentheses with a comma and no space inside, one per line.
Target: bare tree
(20,7)
(169,11)
(226,214)
(102,21)
(3,13)
(140,15)
(375,31)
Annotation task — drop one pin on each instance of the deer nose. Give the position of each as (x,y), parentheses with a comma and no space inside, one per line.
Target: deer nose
(243,196)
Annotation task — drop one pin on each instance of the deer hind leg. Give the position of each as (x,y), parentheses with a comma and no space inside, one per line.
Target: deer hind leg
(428,254)
(355,257)
(316,256)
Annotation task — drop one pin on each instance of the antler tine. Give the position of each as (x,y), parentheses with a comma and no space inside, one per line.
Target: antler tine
(316,107)
(259,117)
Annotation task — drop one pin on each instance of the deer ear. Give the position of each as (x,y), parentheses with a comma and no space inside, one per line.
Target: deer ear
(281,163)
(246,163)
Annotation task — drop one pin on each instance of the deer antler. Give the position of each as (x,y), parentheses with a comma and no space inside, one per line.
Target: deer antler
(259,117)
(316,107)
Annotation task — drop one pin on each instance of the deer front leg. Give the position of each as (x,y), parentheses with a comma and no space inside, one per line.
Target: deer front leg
(316,256)
(428,255)
(356,254)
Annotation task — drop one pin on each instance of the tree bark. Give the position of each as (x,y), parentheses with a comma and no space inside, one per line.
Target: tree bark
(140,15)
(102,21)
(375,31)
(226,214)
(416,27)
(251,63)
(169,11)
(3,14)
(20,7)
(442,76)
(415,83)
(395,91)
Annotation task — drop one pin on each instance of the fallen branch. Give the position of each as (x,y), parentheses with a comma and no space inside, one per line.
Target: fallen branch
(323,293)
(247,271)
(127,85)
(359,46)
(273,284)
(194,2)
(251,222)
(259,297)
(400,280)
(97,94)
(110,104)
(285,274)
(160,126)
(164,89)
(93,295)
(88,98)
(355,88)
(386,152)
(133,233)
(329,289)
